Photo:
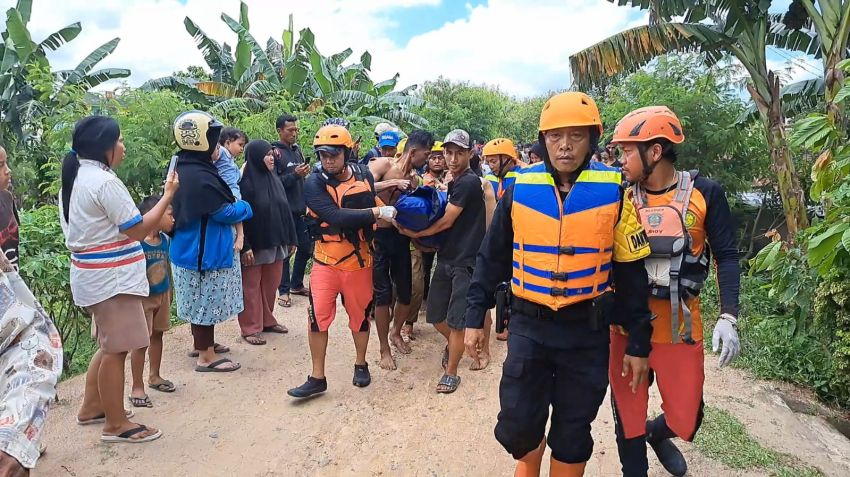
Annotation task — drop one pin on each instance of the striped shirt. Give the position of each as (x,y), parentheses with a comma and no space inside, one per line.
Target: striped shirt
(104,261)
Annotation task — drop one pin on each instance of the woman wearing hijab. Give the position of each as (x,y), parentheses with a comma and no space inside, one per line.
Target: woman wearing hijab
(269,240)
(207,278)
(102,228)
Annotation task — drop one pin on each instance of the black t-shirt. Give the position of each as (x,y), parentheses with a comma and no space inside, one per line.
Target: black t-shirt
(462,240)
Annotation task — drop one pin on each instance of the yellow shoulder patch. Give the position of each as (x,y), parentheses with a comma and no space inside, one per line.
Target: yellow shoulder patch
(630,240)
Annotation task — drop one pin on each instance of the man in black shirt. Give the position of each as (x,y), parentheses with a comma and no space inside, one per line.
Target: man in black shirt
(464,224)
(292,169)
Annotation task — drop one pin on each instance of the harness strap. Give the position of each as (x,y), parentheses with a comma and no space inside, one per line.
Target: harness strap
(675,267)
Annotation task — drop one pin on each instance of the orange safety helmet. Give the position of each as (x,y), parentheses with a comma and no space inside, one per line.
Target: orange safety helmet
(333,135)
(570,109)
(500,146)
(646,124)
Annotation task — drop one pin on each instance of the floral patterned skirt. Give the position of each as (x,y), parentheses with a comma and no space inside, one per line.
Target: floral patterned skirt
(210,297)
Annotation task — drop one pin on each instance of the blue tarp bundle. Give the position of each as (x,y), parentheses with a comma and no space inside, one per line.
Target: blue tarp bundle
(418,209)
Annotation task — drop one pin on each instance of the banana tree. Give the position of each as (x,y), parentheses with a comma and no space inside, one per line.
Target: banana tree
(19,54)
(714,27)
(829,22)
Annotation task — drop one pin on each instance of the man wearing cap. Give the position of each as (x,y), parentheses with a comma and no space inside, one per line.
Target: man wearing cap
(392,249)
(388,142)
(564,236)
(464,223)
(380,129)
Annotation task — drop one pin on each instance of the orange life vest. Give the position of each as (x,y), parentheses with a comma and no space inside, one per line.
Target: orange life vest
(563,249)
(345,249)
(674,271)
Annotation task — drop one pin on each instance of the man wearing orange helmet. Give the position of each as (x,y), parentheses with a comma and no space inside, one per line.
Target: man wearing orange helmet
(341,213)
(501,156)
(564,237)
(682,213)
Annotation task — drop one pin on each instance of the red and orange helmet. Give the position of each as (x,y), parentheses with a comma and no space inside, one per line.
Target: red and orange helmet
(646,124)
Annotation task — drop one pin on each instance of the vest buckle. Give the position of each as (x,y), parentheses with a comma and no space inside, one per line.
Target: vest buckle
(560,276)
(567,250)
(557,291)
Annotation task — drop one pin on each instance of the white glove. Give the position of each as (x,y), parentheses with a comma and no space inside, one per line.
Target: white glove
(387,212)
(726,332)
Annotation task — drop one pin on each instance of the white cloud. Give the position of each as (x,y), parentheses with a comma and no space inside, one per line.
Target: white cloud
(521,46)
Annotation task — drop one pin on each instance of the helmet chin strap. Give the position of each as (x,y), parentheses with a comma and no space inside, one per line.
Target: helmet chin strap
(647,167)
(502,163)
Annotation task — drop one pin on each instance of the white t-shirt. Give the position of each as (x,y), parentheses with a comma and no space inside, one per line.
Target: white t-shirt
(104,261)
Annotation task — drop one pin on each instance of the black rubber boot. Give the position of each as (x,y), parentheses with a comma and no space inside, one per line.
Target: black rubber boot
(362,378)
(312,387)
(659,436)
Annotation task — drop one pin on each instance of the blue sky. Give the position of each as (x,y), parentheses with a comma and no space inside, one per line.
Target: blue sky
(522,46)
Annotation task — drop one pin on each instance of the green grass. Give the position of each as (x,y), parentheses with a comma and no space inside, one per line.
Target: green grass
(723,438)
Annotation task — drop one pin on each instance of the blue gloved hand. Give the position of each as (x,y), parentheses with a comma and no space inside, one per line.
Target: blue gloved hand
(726,332)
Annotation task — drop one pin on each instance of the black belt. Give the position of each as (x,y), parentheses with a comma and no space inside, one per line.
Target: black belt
(580,311)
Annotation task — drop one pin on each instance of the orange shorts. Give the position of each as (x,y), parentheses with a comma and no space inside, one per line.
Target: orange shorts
(326,283)
(679,375)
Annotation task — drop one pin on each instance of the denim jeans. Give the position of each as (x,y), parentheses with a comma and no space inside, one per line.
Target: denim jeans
(293,276)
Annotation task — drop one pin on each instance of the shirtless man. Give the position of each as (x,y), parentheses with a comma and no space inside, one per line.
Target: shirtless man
(392,249)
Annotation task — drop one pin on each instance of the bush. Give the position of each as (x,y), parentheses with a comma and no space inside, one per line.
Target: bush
(45,267)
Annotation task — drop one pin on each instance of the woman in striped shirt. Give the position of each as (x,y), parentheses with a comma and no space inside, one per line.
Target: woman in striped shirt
(102,228)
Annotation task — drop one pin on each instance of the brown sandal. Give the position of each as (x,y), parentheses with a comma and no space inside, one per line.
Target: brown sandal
(255,339)
(285,301)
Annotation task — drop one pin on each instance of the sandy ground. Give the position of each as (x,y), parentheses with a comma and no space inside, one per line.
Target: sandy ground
(244,424)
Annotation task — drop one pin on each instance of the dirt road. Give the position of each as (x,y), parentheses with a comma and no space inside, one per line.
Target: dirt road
(244,424)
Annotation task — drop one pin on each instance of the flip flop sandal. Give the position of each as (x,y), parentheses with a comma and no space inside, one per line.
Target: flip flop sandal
(213,367)
(217,348)
(285,302)
(164,387)
(255,339)
(450,382)
(102,418)
(276,329)
(300,291)
(126,436)
(140,402)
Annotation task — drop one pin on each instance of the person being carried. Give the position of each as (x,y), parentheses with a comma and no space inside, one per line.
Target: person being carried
(157,307)
(392,249)
(688,221)
(465,222)
(341,210)
(232,142)
(421,257)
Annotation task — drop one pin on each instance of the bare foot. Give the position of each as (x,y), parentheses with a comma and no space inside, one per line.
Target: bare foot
(482,362)
(407,332)
(400,344)
(387,361)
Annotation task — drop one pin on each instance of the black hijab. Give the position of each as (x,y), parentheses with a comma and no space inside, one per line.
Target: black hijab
(272,224)
(202,191)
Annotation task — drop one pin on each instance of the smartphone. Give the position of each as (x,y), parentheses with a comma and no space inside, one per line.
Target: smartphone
(171,166)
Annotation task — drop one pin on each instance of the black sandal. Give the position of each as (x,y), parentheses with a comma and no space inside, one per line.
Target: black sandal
(450,382)
(214,367)
(140,402)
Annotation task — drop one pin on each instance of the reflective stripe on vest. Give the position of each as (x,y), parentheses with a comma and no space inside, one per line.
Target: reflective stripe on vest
(562,250)
(501,184)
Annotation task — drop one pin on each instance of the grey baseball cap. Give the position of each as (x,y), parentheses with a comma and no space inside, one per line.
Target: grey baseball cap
(458,137)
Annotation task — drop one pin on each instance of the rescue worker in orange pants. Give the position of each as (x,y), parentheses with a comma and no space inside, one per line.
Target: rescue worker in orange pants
(341,213)
(564,237)
(687,220)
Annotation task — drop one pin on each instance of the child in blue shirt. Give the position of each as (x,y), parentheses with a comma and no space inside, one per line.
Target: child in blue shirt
(157,307)
(232,141)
